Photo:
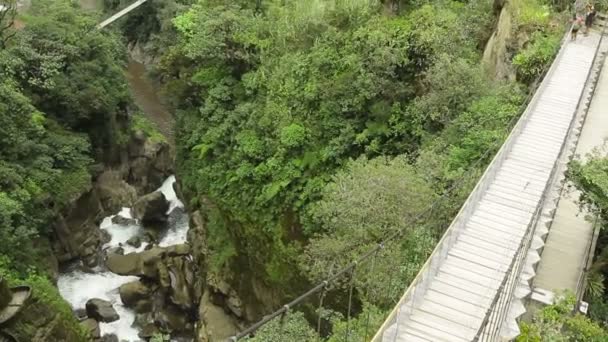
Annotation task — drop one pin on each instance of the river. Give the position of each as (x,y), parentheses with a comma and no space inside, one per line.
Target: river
(77,287)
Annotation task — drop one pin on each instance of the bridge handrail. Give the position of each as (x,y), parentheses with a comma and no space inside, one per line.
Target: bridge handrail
(501,304)
(429,269)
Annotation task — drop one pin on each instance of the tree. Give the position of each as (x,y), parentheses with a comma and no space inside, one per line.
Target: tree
(364,203)
(8,12)
(558,323)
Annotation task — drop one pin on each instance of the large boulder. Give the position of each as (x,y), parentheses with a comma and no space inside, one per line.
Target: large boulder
(109,338)
(123,221)
(151,208)
(128,264)
(101,310)
(134,292)
(114,193)
(150,161)
(92,326)
(134,241)
(146,263)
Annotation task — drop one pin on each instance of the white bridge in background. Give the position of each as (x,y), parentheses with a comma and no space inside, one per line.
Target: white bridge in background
(477,281)
(120,14)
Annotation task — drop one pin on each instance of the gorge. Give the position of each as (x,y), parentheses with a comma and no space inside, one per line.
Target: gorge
(197,164)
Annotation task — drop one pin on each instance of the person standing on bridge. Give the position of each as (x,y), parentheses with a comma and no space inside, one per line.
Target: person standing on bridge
(576,26)
(589,16)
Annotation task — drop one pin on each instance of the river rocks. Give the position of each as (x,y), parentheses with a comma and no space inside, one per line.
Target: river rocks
(151,208)
(105,236)
(134,241)
(101,310)
(40,321)
(144,264)
(123,221)
(109,338)
(114,193)
(134,292)
(92,326)
(116,250)
(222,294)
(128,264)
(148,331)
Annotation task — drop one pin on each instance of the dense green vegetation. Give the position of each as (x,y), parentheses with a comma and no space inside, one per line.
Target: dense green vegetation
(61,86)
(307,131)
(61,91)
(311,129)
(591,178)
(557,323)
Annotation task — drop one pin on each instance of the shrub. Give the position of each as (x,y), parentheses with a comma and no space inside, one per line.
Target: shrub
(535,58)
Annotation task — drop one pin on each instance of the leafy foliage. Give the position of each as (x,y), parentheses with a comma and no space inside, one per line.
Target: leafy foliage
(61,90)
(58,58)
(533,60)
(591,178)
(309,130)
(293,327)
(558,323)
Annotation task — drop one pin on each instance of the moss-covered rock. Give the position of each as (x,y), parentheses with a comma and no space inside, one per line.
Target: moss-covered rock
(45,316)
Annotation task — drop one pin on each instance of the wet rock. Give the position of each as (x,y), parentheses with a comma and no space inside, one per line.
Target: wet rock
(181,282)
(178,250)
(134,292)
(143,264)
(116,250)
(76,236)
(105,236)
(128,264)
(148,331)
(114,192)
(150,162)
(151,208)
(143,305)
(101,310)
(80,314)
(149,247)
(143,319)
(134,241)
(109,338)
(123,221)
(235,305)
(171,318)
(92,326)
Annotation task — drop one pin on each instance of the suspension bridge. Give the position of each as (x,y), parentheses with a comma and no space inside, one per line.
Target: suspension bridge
(120,14)
(477,282)
(517,239)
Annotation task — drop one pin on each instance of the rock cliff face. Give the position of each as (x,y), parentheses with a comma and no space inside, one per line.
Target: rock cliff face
(219,309)
(497,56)
(38,322)
(76,233)
(164,297)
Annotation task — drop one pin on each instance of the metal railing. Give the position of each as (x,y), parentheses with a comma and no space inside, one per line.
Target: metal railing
(495,316)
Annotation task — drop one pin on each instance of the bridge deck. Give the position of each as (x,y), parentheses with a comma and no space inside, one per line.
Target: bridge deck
(120,14)
(449,301)
(565,253)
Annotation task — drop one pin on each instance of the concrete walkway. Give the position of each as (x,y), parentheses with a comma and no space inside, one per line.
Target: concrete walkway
(566,250)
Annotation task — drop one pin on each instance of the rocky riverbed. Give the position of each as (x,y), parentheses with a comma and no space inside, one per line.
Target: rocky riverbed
(153,265)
